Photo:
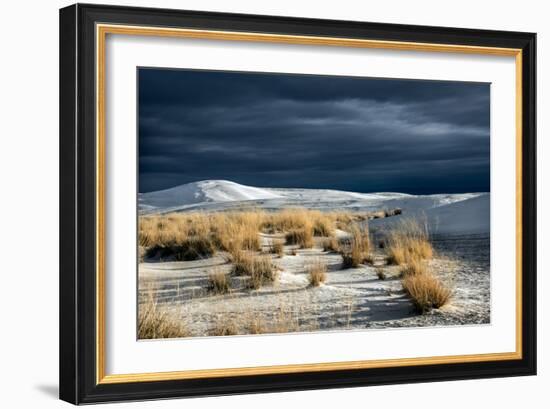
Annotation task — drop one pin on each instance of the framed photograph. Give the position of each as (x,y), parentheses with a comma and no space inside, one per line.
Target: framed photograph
(257,203)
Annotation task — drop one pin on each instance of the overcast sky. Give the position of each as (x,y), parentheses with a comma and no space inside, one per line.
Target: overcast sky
(279,130)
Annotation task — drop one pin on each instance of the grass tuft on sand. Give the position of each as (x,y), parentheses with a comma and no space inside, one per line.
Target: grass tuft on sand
(317,273)
(191,248)
(331,244)
(426,291)
(277,247)
(155,323)
(408,241)
(258,268)
(219,282)
(355,249)
(414,267)
(302,237)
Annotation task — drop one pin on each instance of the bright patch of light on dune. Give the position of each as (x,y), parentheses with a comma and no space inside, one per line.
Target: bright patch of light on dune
(225,191)
(203,192)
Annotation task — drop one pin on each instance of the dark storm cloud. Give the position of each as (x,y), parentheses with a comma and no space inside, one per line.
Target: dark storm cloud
(312,131)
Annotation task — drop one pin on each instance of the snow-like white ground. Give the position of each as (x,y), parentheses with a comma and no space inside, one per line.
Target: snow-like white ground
(350,299)
(462,213)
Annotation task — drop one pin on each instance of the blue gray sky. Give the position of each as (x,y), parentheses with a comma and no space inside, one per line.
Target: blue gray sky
(311,131)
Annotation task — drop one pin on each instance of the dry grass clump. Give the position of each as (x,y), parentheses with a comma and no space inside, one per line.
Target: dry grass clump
(259,269)
(184,237)
(414,267)
(302,237)
(350,261)
(277,247)
(323,225)
(223,230)
(331,244)
(192,248)
(219,282)
(263,274)
(233,231)
(357,248)
(409,241)
(243,262)
(423,287)
(426,291)
(317,273)
(309,222)
(288,219)
(154,323)
(161,231)
(343,220)
(192,235)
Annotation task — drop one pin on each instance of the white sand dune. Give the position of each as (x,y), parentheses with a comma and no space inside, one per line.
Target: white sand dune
(460,217)
(220,194)
(471,216)
(207,191)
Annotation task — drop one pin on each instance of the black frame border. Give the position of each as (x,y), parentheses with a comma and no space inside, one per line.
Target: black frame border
(78,197)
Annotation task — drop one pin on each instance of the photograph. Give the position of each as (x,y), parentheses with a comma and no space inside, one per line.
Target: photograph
(275,203)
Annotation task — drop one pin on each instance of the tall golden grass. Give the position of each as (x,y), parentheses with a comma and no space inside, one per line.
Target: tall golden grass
(258,269)
(154,323)
(219,282)
(414,267)
(321,223)
(302,237)
(426,291)
(331,244)
(226,231)
(408,241)
(193,235)
(241,226)
(317,273)
(277,247)
(356,249)
(408,245)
